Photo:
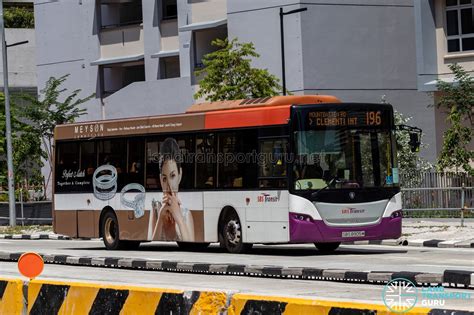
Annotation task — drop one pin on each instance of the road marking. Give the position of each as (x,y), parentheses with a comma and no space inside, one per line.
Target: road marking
(446,266)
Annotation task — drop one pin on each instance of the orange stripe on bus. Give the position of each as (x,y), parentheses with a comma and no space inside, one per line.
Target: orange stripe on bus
(251,117)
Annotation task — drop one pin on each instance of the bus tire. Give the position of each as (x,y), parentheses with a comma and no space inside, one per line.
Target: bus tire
(110,231)
(231,234)
(327,247)
(190,246)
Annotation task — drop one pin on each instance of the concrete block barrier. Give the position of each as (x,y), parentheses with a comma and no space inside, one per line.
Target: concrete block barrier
(245,304)
(11,296)
(61,297)
(54,297)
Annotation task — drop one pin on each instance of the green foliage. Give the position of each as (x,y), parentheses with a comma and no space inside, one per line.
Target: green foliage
(458,100)
(410,163)
(27,152)
(19,17)
(228,74)
(50,110)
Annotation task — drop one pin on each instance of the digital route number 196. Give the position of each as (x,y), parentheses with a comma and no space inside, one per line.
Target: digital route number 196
(373,118)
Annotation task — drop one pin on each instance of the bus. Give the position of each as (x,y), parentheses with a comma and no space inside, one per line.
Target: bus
(273,170)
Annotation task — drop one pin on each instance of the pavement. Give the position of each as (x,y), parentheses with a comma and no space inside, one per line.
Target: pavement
(441,229)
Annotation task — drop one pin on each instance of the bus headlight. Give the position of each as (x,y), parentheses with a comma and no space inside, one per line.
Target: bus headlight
(302,217)
(396,214)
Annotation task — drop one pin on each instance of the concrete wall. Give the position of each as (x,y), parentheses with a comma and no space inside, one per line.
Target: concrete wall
(355,50)
(21,59)
(67,44)
(358,50)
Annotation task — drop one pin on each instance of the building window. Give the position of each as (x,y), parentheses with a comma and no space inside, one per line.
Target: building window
(202,43)
(115,13)
(117,76)
(170,9)
(169,67)
(460,25)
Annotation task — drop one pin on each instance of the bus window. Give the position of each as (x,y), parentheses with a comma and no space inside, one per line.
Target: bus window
(88,158)
(272,163)
(67,165)
(185,144)
(205,161)
(136,161)
(236,169)
(152,180)
(113,152)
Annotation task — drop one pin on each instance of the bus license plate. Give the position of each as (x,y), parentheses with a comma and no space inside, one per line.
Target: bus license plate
(353,234)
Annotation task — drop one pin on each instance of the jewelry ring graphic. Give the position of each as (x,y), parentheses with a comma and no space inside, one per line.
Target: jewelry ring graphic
(138,203)
(104,182)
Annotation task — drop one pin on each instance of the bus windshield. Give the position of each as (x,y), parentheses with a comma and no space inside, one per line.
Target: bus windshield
(344,157)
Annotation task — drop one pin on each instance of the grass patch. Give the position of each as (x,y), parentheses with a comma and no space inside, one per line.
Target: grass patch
(25,229)
(437,214)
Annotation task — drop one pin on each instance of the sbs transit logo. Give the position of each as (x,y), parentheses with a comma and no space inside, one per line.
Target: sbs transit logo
(264,197)
(400,295)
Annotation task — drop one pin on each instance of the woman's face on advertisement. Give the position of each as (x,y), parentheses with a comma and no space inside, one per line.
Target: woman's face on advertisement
(170,176)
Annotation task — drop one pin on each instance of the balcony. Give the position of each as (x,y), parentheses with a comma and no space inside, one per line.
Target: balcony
(207,10)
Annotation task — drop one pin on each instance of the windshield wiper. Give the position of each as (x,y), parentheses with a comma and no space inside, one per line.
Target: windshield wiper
(334,179)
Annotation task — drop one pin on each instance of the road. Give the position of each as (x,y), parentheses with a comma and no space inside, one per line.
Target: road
(354,257)
(363,258)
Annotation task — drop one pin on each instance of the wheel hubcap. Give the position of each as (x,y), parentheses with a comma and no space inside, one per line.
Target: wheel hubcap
(109,230)
(233,232)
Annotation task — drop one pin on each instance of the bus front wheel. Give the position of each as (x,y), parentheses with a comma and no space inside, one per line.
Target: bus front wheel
(231,234)
(327,247)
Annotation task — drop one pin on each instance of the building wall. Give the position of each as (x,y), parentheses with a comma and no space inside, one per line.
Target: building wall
(21,60)
(358,50)
(433,58)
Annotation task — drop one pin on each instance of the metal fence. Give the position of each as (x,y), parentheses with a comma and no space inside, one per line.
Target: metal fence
(37,212)
(442,192)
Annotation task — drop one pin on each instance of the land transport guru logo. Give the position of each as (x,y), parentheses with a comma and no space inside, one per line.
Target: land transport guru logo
(401,295)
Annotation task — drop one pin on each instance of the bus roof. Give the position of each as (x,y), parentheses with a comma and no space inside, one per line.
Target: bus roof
(212,115)
(264,101)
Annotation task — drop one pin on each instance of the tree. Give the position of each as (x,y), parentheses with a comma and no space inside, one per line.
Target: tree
(458,101)
(27,151)
(47,112)
(410,163)
(228,74)
(19,17)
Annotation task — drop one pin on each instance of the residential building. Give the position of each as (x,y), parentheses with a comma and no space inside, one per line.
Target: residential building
(444,35)
(139,56)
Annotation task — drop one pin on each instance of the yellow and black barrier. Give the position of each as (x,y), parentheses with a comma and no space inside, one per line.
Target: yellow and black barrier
(59,297)
(11,296)
(51,297)
(258,304)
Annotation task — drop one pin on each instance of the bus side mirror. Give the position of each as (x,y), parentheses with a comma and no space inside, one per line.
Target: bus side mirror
(414,142)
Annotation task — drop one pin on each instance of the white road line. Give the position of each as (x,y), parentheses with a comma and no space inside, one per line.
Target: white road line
(446,266)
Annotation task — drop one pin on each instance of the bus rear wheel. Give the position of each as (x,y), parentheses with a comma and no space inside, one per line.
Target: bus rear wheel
(327,247)
(110,231)
(231,234)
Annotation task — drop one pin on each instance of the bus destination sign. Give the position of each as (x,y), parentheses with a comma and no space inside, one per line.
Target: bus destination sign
(345,118)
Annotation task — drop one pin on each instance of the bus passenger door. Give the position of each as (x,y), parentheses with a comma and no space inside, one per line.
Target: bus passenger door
(267,217)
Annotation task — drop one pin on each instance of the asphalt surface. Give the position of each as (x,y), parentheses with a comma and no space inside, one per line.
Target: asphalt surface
(354,257)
